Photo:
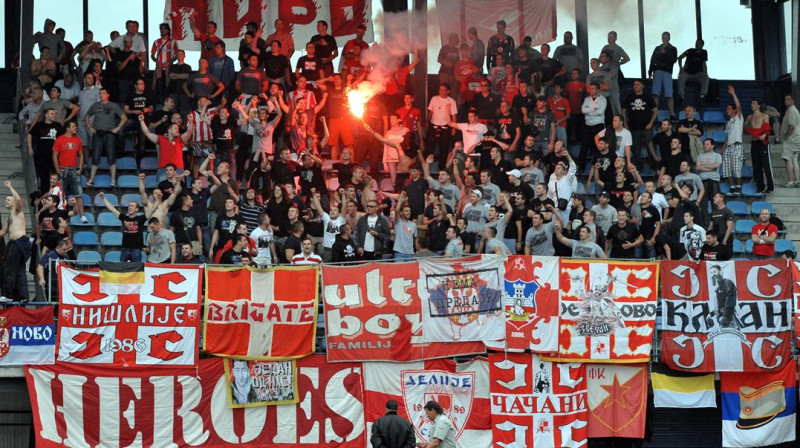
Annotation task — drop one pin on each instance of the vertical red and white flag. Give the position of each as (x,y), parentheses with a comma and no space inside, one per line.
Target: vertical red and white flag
(531,300)
(617,400)
(461,389)
(261,314)
(795,268)
(537,403)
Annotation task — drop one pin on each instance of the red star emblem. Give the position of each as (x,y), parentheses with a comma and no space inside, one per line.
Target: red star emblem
(616,393)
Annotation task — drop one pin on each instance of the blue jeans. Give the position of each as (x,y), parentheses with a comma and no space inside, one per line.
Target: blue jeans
(662,82)
(129,254)
(399,256)
(511,244)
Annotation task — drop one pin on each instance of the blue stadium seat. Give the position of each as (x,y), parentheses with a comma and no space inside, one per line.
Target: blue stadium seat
(592,188)
(748,246)
(103,165)
(738,208)
(87,200)
(107,219)
(85,239)
(751,191)
(102,181)
(784,245)
(149,182)
(128,181)
(127,164)
(112,198)
(714,117)
(149,164)
(75,221)
(130,197)
(719,137)
(112,256)
(647,172)
(757,206)
(581,188)
(111,239)
(724,187)
(744,226)
(88,255)
(663,115)
(747,171)
(738,247)
(681,115)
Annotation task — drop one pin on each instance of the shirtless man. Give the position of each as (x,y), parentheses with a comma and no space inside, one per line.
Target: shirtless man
(158,207)
(15,283)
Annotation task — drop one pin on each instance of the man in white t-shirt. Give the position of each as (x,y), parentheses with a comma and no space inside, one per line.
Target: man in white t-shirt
(441,110)
(624,139)
(263,236)
(472,131)
(330,222)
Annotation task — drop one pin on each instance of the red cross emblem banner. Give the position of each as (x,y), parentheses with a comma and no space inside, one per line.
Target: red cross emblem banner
(266,314)
(300,17)
(129,314)
(608,311)
(537,403)
(726,316)
(531,301)
(373,313)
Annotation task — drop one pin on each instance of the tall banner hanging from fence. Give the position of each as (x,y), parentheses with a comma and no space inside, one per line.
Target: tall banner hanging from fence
(537,403)
(261,314)
(531,302)
(129,314)
(726,316)
(80,405)
(373,313)
(27,336)
(794,266)
(462,390)
(608,310)
(461,300)
(300,17)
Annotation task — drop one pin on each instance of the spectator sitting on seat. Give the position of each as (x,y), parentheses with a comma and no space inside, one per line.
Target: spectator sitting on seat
(307,255)
(133,225)
(764,234)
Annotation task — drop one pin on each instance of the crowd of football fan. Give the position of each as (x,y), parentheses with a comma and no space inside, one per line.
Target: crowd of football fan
(520,152)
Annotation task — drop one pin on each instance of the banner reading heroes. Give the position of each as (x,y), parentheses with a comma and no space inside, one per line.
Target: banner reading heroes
(77,405)
(729,316)
(608,310)
(537,403)
(261,314)
(373,313)
(129,314)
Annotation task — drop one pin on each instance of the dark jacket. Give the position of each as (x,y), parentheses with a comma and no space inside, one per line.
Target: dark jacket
(382,227)
(344,250)
(392,431)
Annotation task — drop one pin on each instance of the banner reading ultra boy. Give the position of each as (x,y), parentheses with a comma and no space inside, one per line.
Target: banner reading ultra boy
(726,316)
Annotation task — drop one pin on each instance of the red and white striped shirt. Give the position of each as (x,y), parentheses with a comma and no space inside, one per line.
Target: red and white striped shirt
(166,49)
(302,259)
(202,125)
(296,95)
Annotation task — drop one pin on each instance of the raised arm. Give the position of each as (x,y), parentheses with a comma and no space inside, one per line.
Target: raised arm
(732,92)
(108,205)
(142,191)
(147,133)
(189,128)
(18,206)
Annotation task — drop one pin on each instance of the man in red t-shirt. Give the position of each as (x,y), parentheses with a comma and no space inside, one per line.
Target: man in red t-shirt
(764,234)
(170,148)
(561,109)
(68,160)
(575,92)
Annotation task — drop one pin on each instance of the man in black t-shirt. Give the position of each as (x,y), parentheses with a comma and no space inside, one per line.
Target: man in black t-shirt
(712,250)
(234,254)
(130,67)
(623,238)
(649,226)
(722,220)
(694,69)
(41,138)
(224,227)
(133,225)
(48,218)
(326,48)
(277,66)
(310,66)
(138,103)
(184,223)
(640,113)
(179,72)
